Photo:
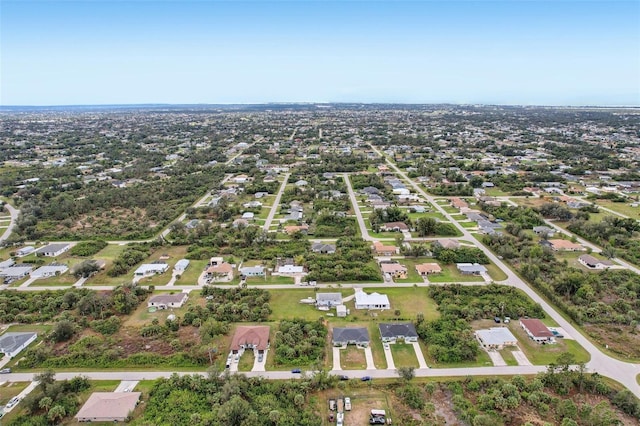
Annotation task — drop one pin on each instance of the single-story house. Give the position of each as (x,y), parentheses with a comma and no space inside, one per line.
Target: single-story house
(395,270)
(252,204)
(254,337)
(537,330)
(544,230)
(290,269)
(108,407)
(7,263)
(24,251)
(391,332)
(562,245)
(447,243)
(594,263)
(496,338)
(292,229)
(471,268)
(328,299)
(16,272)
(341,311)
(164,301)
(394,227)
(323,248)
(248,216)
(181,265)
(252,271)
(220,272)
(151,269)
(458,203)
(240,223)
(382,250)
(425,269)
(12,343)
(53,250)
(343,336)
(49,271)
(372,301)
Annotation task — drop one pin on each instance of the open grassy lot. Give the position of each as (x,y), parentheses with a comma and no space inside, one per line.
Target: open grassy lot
(377,350)
(450,274)
(286,304)
(622,208)
(192,273)
(142,316)
(483,360)
(11,389)
(410,301)
(496,273)
(412,275)
(434,215)
(404,355)
(507,355)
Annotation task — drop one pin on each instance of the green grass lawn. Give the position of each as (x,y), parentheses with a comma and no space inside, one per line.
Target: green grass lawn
(410,301)
(622,208)
(496,273)
(434,215)
(285,304)
(246,361)
(404,355)
(353,358)
(412,275)
(379,360)
(468,224)
(450,274)
(482,360)
(192,273)
(11,389)
(507,355)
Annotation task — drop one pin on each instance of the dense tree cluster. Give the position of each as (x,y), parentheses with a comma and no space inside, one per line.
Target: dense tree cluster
(617,233)
(87,248)
(459,255)
(350,262)
(133,254)
(237,304)
(523,216)
(300,342)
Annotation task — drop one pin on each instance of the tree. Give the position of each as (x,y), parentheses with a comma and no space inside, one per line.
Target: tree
(45,403)
(406,373)
(57,413)
(63,331)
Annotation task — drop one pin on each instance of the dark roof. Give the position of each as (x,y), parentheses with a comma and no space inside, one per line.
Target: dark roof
(351,334)
(404,329)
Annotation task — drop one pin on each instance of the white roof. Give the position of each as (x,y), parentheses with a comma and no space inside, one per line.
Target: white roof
(151,267)
(471,267)
(181,264)
(50,269)
(291,269)
(496,336)
(363,298)
(16,270)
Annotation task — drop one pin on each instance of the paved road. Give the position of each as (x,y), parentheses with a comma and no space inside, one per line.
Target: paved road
(623,372)
(276,203)
(14,217)
(356,209)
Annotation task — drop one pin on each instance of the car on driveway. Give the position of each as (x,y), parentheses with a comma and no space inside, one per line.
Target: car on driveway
(366,379)
(296,371)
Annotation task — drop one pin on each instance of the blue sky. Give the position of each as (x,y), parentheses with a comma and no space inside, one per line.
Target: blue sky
(507,52)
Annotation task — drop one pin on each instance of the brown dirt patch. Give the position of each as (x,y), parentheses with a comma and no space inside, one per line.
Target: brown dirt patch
(619,339)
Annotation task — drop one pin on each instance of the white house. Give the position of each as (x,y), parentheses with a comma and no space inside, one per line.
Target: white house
(24,251)
(151,269)
(252,271)
(496,338)
(12,343)
(53,250)
(49,271)
(290,269)
(7,263)
(164,301)
(181,265)
(372,301)
(16,272)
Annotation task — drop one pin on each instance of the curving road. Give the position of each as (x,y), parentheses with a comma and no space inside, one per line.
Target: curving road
(14,217)
(623,372)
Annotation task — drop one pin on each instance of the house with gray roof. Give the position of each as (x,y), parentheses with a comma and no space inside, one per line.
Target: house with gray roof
(252,271)
(343,336)
(16,272)
(328,299)
(164,301)
(49,271)
(12,343)
(392,332)
(496,338)
(471,268)
(323,248)
(53,250)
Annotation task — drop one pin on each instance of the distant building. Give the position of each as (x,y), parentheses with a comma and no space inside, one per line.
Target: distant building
(53,250)
(323,248)
(593,263)
(562,245)
(147,269)
(24,251)
(544,231)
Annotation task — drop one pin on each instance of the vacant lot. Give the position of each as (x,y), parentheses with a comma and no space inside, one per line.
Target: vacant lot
(353,358)
(404,355)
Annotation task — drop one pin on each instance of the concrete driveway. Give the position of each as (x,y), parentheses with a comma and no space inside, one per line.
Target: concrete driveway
(260,366)
(369,356)
(521,358)
(336,358)
(389,356)
(126,384)
(421,361)
(496,358)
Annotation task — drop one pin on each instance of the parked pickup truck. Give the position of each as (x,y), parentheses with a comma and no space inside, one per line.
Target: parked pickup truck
(347,403)
(332,404)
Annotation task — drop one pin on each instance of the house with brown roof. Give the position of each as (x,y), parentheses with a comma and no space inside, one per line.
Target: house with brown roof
(220,272)
(459,203)
(394,227)
(395,270)
(594,263)
(292,229)
(537,330)
(255,337)
(108,407)
(164,301)
(562,245)
(382,250)
(447,243)
(424,269)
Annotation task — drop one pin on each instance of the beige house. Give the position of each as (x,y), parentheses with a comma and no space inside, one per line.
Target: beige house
(108,407)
